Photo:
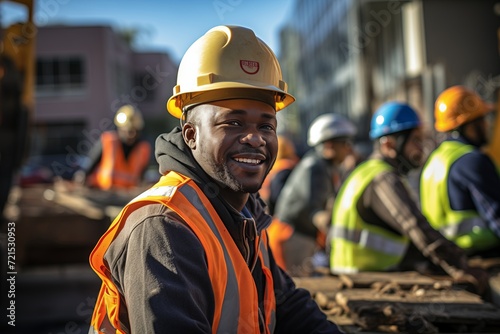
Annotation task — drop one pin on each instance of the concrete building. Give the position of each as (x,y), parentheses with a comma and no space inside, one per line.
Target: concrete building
(84,74)
(349,56)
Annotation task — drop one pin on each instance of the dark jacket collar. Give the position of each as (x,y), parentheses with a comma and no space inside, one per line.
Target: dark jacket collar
(455,136)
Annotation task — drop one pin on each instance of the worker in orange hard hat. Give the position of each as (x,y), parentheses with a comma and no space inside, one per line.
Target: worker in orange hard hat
(191,254)
(460,184)
(120,158)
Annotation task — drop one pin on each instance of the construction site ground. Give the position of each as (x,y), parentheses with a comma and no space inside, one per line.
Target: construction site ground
(57,225)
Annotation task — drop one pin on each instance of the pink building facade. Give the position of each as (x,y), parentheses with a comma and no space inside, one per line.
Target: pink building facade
(84,74)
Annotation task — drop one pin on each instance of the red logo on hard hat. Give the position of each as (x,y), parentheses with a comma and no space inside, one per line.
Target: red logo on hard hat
(249,66)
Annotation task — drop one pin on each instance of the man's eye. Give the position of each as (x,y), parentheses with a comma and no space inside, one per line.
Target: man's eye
(268,127)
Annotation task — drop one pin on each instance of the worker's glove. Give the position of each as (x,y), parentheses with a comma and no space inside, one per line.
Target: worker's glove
(322,220)
(79,177)
(479,278)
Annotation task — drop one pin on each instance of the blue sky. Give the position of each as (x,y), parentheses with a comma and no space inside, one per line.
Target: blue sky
(169,25)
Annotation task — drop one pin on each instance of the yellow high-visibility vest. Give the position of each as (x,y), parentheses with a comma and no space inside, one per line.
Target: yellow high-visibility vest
(355,244)
(466,228)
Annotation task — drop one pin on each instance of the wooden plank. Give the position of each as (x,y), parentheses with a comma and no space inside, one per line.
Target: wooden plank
(417,296)
(495,289)
(401,302)
(431,310)
(319,284)
(405,280)
(79,205)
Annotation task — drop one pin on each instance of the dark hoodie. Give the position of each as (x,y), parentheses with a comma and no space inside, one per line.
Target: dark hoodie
(160,268)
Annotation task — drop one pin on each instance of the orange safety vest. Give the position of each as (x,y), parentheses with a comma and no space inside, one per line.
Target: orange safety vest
(279,165)
(236,299)
(279,232)
(114,170)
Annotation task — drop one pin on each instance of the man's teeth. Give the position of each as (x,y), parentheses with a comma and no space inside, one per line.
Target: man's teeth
(248,161)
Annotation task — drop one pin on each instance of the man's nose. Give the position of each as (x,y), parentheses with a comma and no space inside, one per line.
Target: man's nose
(253,138)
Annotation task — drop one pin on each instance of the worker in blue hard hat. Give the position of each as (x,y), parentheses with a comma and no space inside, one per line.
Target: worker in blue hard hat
(376,222)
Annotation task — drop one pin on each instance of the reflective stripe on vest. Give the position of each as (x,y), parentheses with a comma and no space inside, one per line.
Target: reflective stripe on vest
(466,228)
(368,239)
(236,300)
(115,170)
(355,244)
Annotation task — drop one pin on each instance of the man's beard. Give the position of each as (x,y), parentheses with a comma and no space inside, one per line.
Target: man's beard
(407,164)
(227,180)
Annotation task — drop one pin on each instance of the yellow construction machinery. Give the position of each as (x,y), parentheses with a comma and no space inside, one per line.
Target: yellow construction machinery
(18,44)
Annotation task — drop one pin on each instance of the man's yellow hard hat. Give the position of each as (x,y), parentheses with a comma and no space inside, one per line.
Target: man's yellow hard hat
(228,62)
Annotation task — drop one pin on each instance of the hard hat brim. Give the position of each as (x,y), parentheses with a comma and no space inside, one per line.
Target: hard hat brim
(272,95)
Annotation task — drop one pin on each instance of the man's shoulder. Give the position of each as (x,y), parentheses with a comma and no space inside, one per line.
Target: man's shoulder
(150,214)
(474,160)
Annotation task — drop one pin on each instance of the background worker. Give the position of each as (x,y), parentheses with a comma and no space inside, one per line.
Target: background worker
(190,255)
(303,210)
(460,185)
(376,223)
(120,158)
(274,182)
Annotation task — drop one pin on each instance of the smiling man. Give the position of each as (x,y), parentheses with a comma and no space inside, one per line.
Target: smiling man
(191,255)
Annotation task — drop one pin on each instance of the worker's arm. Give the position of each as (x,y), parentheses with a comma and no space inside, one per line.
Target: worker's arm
(391,201)
(304,195)
(161,270)
(296,311)
(93,158)
(474,184)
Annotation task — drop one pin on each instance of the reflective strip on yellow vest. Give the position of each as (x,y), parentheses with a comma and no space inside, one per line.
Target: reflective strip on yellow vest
(114,171)
(355,244)
(466,228)
(236,300)
(368,239)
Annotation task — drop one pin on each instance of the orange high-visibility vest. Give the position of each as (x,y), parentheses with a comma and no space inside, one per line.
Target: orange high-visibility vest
(236,298)
(114,170)
(279,165)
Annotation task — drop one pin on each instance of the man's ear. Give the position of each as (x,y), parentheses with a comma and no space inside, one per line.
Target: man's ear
(189,135)
(388,146)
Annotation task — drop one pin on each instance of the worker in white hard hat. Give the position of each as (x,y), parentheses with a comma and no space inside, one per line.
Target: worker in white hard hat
(191,255)
(303,210)
(118,161)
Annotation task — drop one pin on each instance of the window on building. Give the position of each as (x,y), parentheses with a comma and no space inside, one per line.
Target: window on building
(57,75)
